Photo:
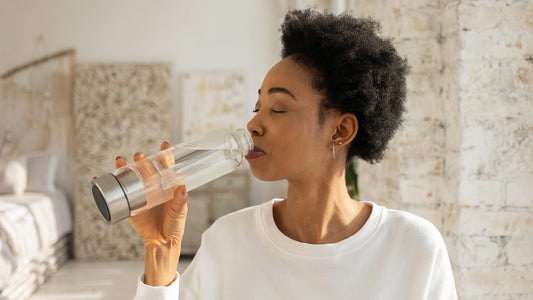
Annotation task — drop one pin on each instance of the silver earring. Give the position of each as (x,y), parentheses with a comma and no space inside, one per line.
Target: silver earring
(340,143)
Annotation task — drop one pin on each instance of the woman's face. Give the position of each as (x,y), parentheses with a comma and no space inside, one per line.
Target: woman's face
(292,145)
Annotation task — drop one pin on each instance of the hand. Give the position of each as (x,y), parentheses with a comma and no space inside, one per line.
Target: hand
(161,229)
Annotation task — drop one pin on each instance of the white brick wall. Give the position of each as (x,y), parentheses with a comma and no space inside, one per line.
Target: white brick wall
(464,157)
(519,251)
(519,194)
(475,221)
(481,192)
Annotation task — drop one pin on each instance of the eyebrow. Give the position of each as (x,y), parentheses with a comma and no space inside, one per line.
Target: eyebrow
(278,90)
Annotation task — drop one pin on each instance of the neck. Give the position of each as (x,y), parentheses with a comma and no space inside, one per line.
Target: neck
(320,211)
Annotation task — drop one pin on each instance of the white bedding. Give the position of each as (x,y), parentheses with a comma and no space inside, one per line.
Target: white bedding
(33,227)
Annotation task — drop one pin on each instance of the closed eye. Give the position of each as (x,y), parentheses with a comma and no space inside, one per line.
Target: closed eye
(274,111)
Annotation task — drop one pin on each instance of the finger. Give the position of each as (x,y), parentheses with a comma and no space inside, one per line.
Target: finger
(166,159)
(178,206)
(138,156)
(119,162)
(164,145)
(175,218)
(144,166)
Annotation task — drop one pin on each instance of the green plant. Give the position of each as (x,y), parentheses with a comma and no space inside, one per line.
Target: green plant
(351,179)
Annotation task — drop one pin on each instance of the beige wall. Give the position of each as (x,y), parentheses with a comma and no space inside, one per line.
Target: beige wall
(464,157)
(190,35)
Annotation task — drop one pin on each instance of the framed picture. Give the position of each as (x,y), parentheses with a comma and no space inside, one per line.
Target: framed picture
(212,100)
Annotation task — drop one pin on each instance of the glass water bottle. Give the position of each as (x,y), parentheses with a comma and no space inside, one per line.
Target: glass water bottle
(146,183)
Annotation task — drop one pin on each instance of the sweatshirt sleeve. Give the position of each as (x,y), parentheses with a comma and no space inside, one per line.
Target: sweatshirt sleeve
(147,292)
(185,286)
(442,283)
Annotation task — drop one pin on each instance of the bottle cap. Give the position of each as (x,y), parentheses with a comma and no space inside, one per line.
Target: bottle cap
(117,195)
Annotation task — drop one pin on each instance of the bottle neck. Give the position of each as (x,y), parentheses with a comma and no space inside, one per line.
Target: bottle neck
(243,139)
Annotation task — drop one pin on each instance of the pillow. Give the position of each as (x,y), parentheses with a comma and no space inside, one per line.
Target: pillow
(13,176)
(42,170)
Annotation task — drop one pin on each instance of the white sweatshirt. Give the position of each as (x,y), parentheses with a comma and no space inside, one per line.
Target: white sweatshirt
(395,255)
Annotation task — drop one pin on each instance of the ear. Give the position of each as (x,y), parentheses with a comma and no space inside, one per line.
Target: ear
(346,130)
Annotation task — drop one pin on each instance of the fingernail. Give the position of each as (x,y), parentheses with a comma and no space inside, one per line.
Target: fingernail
(118,157)
(165,142)
(137,153)
(184,191)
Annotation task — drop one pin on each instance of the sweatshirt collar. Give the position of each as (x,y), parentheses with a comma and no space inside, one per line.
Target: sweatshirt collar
(293,247)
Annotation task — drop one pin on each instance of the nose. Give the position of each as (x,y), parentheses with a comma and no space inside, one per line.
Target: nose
(255,126)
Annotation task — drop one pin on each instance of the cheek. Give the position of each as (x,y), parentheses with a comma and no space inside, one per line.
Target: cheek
(296,143)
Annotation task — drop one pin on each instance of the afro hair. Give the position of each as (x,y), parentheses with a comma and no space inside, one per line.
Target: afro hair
(356,70)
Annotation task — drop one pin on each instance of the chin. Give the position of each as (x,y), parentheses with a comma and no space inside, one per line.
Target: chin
(264,175)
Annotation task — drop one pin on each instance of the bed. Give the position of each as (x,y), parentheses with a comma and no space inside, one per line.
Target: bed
(35,224)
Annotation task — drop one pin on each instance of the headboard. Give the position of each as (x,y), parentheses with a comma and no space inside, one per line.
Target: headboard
(36,113)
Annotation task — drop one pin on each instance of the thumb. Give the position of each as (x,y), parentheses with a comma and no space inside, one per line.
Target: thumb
(175,216)
(177,207)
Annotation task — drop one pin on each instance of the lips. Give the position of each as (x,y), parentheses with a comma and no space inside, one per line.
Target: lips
(256,152)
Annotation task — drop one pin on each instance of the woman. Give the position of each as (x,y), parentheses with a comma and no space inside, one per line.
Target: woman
(338,93)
